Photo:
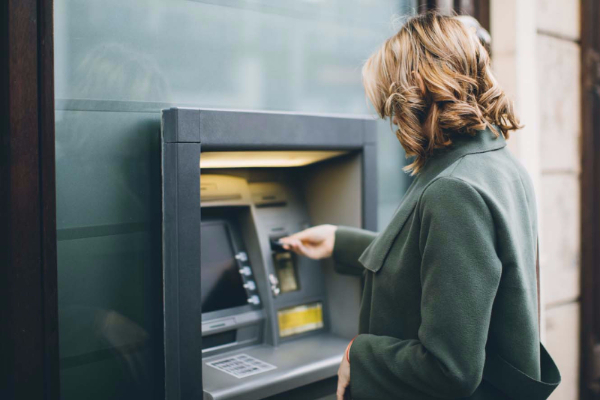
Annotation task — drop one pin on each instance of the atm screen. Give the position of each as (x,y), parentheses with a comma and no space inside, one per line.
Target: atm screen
(221,282)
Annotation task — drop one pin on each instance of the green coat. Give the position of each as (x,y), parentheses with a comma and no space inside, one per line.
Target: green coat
(449,308)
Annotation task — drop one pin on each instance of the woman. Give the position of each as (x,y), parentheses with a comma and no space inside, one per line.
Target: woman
(449,308)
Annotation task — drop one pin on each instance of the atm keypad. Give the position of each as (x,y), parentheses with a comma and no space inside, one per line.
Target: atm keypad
(241,365)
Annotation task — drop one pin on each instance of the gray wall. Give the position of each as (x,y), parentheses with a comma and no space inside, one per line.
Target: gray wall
(117,64)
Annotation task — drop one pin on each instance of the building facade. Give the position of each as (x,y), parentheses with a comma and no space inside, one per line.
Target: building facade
(537,59)
(93,77)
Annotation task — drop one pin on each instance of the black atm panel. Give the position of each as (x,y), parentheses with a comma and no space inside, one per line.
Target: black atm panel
(232,310)
(222,286)
(227,279)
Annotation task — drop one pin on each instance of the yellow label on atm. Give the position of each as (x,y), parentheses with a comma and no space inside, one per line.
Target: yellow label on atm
(304,318)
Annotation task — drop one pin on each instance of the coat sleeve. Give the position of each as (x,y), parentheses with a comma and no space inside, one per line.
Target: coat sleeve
(349,244)
(460,274)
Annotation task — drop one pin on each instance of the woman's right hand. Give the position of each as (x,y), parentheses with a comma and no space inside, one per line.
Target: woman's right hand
(316,242)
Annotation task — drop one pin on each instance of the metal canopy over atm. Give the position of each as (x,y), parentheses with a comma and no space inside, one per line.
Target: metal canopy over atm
(245,319)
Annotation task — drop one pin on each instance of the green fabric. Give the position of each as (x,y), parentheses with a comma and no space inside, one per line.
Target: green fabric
(349,244)
(450,284)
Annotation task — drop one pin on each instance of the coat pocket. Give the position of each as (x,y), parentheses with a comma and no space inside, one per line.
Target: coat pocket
(518,385)
(368,258)
(375,254)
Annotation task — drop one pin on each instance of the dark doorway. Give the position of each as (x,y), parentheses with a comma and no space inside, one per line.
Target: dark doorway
(590,198)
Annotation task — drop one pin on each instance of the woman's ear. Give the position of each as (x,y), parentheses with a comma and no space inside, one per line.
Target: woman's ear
(420,82)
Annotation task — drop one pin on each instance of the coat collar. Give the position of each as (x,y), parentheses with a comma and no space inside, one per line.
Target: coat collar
(375,254)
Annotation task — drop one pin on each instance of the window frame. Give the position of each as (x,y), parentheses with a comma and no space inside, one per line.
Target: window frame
(29,310)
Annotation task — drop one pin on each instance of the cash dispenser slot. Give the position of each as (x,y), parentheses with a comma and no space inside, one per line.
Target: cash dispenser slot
(246,319)
(218,339)
(284,262)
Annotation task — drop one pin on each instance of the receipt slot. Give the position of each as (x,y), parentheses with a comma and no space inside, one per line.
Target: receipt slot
(245,318)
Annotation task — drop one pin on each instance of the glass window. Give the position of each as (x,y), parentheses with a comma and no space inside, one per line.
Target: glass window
(118,63)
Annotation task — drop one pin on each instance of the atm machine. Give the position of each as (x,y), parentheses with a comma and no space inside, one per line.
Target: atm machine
(244,318)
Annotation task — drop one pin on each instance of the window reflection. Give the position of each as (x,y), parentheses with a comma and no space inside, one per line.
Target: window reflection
(117,64)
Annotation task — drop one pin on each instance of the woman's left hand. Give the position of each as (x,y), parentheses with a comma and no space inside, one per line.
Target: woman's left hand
(343,377)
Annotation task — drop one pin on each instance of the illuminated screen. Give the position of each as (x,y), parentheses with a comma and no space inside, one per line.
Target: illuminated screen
(221,283)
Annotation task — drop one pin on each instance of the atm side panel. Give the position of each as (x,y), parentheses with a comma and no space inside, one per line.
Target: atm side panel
(181,269)
(369,187)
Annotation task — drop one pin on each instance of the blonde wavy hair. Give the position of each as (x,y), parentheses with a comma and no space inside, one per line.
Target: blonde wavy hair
(433,78)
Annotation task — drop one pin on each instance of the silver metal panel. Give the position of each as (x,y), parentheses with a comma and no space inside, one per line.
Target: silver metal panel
(298,363)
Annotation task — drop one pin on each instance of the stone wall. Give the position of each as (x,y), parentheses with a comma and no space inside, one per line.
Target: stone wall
(559,88)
